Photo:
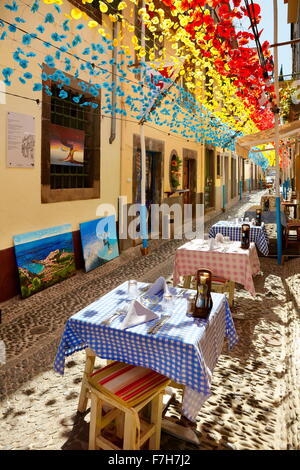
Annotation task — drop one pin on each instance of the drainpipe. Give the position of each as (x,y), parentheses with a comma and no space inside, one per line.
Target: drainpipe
(113,124)
(241,190)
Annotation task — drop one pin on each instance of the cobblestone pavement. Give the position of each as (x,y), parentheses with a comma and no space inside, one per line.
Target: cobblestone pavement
(255,394)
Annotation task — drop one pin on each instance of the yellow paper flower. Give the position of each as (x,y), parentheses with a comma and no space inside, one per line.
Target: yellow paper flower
(122,5)
(76,13)
(92,24)
(103,7)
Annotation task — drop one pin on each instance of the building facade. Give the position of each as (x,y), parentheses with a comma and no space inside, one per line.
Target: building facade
(48,195)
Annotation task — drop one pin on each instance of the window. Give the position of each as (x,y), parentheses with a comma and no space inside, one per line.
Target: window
(70,143)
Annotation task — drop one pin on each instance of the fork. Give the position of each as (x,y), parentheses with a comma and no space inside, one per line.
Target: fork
(112,317)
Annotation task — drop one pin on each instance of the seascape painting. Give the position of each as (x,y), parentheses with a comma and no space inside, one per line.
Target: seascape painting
(44,258)
(66,146)
(99,241)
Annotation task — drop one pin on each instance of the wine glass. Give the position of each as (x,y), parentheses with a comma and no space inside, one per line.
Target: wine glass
(167,303)
(132,289)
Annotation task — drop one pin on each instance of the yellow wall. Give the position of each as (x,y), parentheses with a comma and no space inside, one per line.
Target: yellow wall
(21,209)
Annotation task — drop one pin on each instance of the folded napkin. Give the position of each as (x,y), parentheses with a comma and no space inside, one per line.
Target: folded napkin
(219,238)
(158,287)
(137,314)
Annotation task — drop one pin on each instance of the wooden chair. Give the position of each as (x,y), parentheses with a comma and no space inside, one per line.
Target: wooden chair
(219,285)
(126,389)
(292,225)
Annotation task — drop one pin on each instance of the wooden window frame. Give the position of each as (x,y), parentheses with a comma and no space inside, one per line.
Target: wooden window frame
(49,195)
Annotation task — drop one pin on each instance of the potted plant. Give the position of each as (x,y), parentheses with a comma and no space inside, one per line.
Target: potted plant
(175,173)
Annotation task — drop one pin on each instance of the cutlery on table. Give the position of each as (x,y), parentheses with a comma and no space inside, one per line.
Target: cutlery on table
(117,313)
(154,329)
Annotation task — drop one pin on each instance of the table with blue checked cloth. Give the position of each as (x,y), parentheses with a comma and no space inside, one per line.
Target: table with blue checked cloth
(258,235)
(185,349)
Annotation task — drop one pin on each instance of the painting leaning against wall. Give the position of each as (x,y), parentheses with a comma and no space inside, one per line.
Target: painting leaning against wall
(99,241)
(44,258)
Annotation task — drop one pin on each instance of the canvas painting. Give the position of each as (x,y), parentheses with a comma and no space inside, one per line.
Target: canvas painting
(99,241)
(44,258)
(66,146)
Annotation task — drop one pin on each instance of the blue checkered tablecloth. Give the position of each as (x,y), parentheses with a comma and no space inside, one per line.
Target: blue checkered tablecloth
(185,349)
(258,235)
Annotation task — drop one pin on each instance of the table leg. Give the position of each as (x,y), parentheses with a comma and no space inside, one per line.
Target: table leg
(88,369)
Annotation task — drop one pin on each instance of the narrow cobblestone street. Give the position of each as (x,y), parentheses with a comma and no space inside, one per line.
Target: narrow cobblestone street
(255,395)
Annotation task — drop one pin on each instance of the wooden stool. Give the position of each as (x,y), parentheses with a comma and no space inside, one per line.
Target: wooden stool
(127,389)
(218,284)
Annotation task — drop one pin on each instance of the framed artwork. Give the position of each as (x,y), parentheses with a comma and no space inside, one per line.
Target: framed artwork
(99,241)
(66,146)
(44,258)
(20,140)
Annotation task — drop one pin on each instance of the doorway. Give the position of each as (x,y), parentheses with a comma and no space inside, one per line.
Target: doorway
(209,183)
(226,178)
(189,180)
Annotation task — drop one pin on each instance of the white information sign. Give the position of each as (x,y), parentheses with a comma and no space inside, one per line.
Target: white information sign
(20,140)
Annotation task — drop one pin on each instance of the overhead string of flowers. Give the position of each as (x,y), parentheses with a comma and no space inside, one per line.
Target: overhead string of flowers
(200,81)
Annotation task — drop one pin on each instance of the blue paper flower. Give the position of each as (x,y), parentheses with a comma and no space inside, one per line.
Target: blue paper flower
(12,7)
(41,29)
(76,99)
(20,20)
(37,87)
(63,94)
(22,80)
(23,63)
(28,75)
(49,18)
(12,28)
(7,72)
(26,39)
(66,26)
(35,7)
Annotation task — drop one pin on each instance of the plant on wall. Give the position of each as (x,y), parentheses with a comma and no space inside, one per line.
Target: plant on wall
(286,102)
(175,173)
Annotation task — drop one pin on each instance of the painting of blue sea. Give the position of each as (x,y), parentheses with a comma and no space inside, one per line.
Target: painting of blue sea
(44,258)
(99,241)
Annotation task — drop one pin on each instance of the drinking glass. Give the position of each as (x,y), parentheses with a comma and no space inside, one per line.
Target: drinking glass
(167,303)
(246,219)
(132,289)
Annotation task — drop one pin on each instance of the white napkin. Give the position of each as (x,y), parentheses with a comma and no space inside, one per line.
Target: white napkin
(137,314)
(219,238)
(159,285)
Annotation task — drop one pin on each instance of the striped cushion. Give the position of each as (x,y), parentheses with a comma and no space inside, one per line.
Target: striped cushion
(127,383)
